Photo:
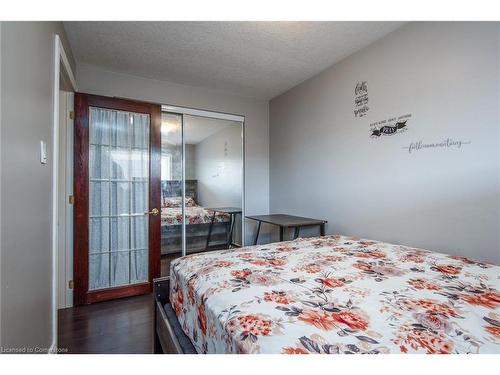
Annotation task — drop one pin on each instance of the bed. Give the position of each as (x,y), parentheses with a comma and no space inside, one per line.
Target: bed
(197,220)
(332,294)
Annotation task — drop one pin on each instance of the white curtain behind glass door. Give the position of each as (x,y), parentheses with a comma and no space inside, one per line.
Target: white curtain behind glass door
(119,184)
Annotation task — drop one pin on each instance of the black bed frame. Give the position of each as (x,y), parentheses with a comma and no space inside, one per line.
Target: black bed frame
(168,335)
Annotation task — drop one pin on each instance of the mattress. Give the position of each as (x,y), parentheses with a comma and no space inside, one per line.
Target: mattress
(194,215)
(336,294)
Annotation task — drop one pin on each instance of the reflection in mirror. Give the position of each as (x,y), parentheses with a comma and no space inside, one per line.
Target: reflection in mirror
(214,171)
(171,186)
(213,185)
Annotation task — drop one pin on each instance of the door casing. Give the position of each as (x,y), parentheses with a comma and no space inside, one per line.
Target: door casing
(61,71)
(65,205)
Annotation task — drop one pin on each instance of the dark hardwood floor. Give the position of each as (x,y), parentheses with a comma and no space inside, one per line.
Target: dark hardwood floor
(120,326)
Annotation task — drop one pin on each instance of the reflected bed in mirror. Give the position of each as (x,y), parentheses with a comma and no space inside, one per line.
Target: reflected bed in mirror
(198,220)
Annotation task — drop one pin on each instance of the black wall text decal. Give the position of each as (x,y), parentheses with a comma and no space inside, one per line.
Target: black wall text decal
(446,144)
(361,99)
(389,126)
(389,130)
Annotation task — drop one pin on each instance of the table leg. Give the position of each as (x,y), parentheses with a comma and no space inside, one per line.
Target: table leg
(296,233)
(231,228)
(210,231)
(322,229)
(282,233)
(257,234)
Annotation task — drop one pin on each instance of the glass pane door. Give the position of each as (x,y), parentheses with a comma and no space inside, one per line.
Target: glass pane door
(118,197)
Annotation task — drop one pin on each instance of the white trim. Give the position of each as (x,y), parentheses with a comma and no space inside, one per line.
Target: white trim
(59,56)
(66,64)
(183,189)
(70,100)
(202,113)
(1,25)
(243,190)
(65,185)
(55,174)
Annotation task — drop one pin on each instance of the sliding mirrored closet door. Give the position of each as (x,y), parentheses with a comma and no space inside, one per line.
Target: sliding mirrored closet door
(202,193)
(214,184)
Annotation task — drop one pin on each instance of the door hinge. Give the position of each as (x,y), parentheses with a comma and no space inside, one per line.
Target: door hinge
(71,284)
(71,115)
(71,199)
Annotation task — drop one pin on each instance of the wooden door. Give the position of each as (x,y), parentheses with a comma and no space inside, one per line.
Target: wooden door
(117,198)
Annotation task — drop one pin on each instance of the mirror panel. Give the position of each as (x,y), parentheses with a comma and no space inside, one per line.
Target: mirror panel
(171,190)
(214,171)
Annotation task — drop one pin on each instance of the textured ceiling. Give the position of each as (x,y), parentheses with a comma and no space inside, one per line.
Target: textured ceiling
(254,59)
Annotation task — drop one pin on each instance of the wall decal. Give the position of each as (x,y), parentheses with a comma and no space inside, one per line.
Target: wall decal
(446,144)
(361,99)
(389,126)
(389,130)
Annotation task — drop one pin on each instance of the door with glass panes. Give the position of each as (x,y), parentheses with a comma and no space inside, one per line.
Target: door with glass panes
(117,198)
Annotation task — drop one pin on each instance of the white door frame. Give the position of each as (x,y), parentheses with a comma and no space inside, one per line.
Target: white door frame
(65,218)
(61,66)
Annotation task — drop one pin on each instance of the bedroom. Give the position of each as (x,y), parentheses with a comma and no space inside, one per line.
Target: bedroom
(301,187)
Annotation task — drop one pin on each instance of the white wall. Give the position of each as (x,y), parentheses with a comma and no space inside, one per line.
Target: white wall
(26,185)
(218,160)
(324,164)
(91,79)
(1,183)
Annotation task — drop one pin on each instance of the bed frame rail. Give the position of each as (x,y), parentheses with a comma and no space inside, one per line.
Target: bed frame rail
(168,335)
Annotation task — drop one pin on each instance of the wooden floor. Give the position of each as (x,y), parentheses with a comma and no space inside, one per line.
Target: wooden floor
(119,326)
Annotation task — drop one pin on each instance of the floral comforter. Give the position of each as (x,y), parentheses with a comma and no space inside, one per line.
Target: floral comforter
(194,215)
(336,294)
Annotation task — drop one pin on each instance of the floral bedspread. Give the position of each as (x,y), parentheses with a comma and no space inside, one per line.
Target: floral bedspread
(194,215)
(336,294)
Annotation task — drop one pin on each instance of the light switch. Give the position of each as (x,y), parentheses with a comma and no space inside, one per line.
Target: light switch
(43,152)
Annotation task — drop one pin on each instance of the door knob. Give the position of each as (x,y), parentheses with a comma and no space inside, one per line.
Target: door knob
(154,212)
